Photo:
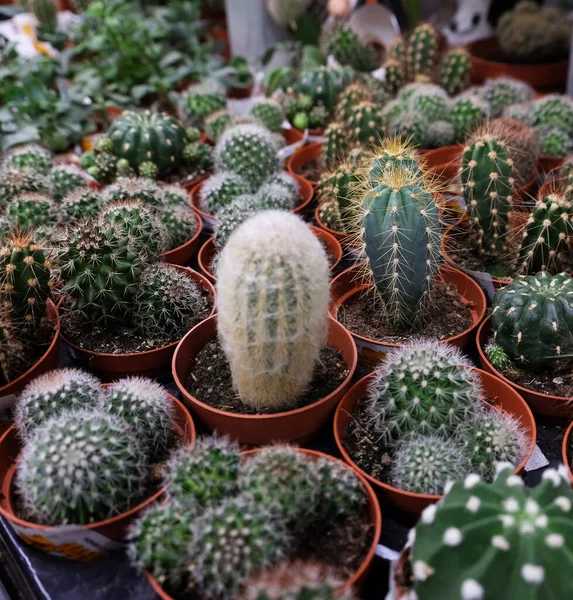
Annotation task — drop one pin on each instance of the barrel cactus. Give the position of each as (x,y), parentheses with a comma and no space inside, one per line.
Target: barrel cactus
(502,92)
(276,196)
(467,112)
(66,178)
(532,319)
(269,113)
(220,190)
(347,48)
(321,85)
(29,156)
(272,291)
(15,182)
(554,141)
(180,225)
(30,211)
(454,71)
(201,100)
(430,102)
(553,111)
(422,51)
(335,143)
(81,204)
(285,180)
(366,122)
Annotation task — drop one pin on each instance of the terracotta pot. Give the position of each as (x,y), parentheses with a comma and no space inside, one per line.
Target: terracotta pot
(544,404)
(299,425)
(543,76)
(47,362)
(442,156)
(356,582)
(303,156)
(549,163)
(209,220)
(348,287)
(113,112)
(184,253)
(504,397)
(293,135)
(565,448)
(240,93)
(114,528)
(151,362)
(338,235)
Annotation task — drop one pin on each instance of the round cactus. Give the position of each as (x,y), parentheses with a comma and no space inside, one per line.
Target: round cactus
(553,111)
(15,182)
(201,100)
(318,117)
(554,141)
(520,112)
(180,224)
(230,217)
(394,76)
(440,133)
(104,167)
(220,190)
(29,156)
(349,97)
(322,85)
(276,196)
(198,157)
(454,71)
(366,122)
(410,127)
(272,293)
(468,111)
(286,180)
(216,123)
(66,178)
(30,211)
(423,388)
(346,47)
(422,51)
(108,474)
(335,143)
(532,319)
(81,204)
(269,113)
(430,102)
(329,215)
(174,196)
(502,92)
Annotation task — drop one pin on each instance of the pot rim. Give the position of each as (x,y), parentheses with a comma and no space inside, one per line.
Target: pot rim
(165,256)
(565,448)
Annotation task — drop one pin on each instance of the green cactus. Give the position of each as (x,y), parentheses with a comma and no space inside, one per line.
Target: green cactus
(468,111)
(286,180)
(532,319)
(12,350)
(150,170)
(524,532)
(502,92)
(454,71)
(397,49)
(377,89)
(104,167)
(340,185)
(180,225)
(123,168)
(269,113)
(394,76)
(430,101)
(45,11)
(15,182)
(553,111)
(422,51)
(220,190)
(216,123)
(198,157)
(410,127)
(346,47)
(366,123)
(276,196)
(335,143)
(318,117)
(108,474)
(81,204)
(140,189)
(555,142)
(273,324)
(201,100)
(174,196)
(29,156)
(30,211)
(440,133)
(66,178)
(52,394)
(321,85)
(392,154)
(520,112)
(350,96)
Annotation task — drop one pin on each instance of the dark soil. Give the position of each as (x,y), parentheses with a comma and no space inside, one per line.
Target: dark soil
(312,170)
(210,380)
(446,317)
(547,382)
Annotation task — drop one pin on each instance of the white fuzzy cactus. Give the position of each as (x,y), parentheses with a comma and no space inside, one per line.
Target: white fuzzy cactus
(272,290)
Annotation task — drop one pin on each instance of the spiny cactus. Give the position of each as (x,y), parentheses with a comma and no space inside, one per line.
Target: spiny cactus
(532,319)
(201,100)
(174,196)
(520,112)
(30,211)
(392,154)
(440,133)
(322,85)
(198,157)
(525,532)
(29,156)
(335,143)
(81,204)
(318,117)
(61,479)
(412,127)
(454,71)
(430,101)
(220,190)
(66,178)
(134,188)
(394,76)
(397,49)
(103,166)
(502,92)
(216,123)
(269,113)
(424,464)
(553,111)
(45,11)
(53,393)
(272,291)
(339,185)
(366,122)
(346,47)
(468,111)
(180,224)
(555,142)
(12,351)
(15,182)
(286,180)
(423,388)
(422,51)
(276,196)
(349,97)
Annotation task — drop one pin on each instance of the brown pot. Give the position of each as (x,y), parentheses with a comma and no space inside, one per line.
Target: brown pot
(298,426)
(151,362)
(240,93)
(47,362)
(544,404)
(356,582)
(565,449)
(293,136)
(549,163)
(348,286)
(114,528)
(507,399)
(113,112)
(183,254)
(442,156)
(338,235)
(303,156)
(543,76)
(305,195)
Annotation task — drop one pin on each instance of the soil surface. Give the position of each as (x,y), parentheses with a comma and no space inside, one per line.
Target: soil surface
(312,170)
(547,382)
(210,380)
(446,317)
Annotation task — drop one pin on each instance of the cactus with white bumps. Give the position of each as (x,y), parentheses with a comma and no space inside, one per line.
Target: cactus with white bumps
(344,44)
(335,143)
(349,97)
(366,122)
(269,113)
(15,182)
(394,77)
(467,112)
(553,111)
(201,100)
(29,156)
(276,196)
(422,51)
(430,101)
(502,92)
(526,533)
(532,319)
(31,211)
(66,178)
(555,141)
(108,474)
(216,123)
(272,290)
(454,71)
(440,133)
(221,189)
(286,180)
(81,204)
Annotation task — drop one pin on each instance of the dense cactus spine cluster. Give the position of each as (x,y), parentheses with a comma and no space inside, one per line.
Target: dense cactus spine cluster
(66,178)
(201,100)
(322,85)
(220,190)
(81,204)
(29,156)
(422,51)
(30,211)
(454,71)
(15,182)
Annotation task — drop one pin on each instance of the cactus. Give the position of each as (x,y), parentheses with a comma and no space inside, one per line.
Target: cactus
(321,84)
(276,196)
(81,204)
(553,111)
(412,127)
(150,171)
(487,182)
(45,11)
(397,49)
(335,143)
(216,123)
(329,214)
(249,151)
(123,168)
(555,142)
(66,178)
(497,357)
(422,388)
(201,100)
(346,47)
(286,180)
(168,301)
(29,156)
(366,122)
(502,92)
(424,464)
(104,167)
(147,409)
(220,190)
(269,113)
(15,182)
(454,71)
(12,350)
(318,117)
(340,185)
(532,319)
(440,133)
(394,76)
(52,394)
(525,533)
(468,111)
(30,211)
(174,196)
(377,89)
(422,51)
(520,112)
(430,102)
(180,225)
(127,189)
(349,97)
(108,474)
(272,321)
(392,154)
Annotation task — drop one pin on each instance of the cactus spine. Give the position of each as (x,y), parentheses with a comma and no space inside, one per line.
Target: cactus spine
(454,71)
(422,51)
(335,144)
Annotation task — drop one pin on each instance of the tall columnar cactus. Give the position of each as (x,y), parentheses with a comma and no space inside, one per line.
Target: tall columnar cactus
(400,236)
(29,156)
(335,143)
(526,534)
(321,84)
(394,76)
(454,71)
(346,47)
(269,113)
(220,190)
(422,51)
(430,101)
(81,204)
(66,178)
(201,100)
(546,233)
(532,319)
(15,182)
(487,182)
(366,122)
(30,211)
(180,224)
(108,474)
(272,293)
(468,111)
(423,388)
(502,92)
(53,393)
(349,97)
(397,49)
(392,154)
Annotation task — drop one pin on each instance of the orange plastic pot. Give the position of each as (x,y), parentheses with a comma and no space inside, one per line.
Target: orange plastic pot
(565,448)
(544,404)
(354,583)
(302,157)
(504,397)
(542,77)
(47,362)
(184,253)
(349,287)
(305,195)
(113,529)
(442,156)
(113,112)
(293,136)
(549,163)
(151,362)
(299,425)
(209,251)
(338,235)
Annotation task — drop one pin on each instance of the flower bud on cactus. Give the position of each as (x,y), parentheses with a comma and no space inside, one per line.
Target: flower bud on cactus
(525,533)
(272,289)
(422,51)
(15,182)
(454,71)
(216,123)
(269,113)
(468,111)
(53,393)
(430,101)
(335,144)
(366,122)
(30,211)
(423,388)
(66,178)
(201,100)
(502,92)
(81,204)
(220,190)
(349,97)
(29,156)
(532,319)
(79,468)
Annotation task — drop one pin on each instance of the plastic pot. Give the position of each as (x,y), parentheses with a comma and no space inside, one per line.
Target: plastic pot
(348,287)
(302,157)
(47,362)
(183,254)
(150,363)
(565,448)
(299,425)
(356,582)
(338,235)
(442,156)
(293,136)
(209,251)
(504,397)
(45,537)
(545,404)
(549,163)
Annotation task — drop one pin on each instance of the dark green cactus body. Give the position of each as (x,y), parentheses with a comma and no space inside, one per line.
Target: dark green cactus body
(397,50)
(454,72)
(391,158)
(366,122)
(349,98)
(30,211)
(200,101)
(322,84)
(335,144)
(347,49)
(422,51)
(269,113)
(66,178)
(216,123)
(339,185)
(467,112)
(11,348)
(395,76)
(29,156)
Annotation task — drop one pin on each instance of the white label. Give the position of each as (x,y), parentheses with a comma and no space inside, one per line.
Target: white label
(536,460)
(371,354)
(386,553)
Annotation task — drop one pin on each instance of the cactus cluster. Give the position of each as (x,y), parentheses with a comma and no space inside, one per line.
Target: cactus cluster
(15,181)
(422,51)
(502,92)
(303,111)
(29,156)
(200,101)
(335,190)
(454,71)
(220,190)
(269,113)
(468,111)
(552,117)
(65,179)
(321,85)
(346,47)
(366,123)
(81,204)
